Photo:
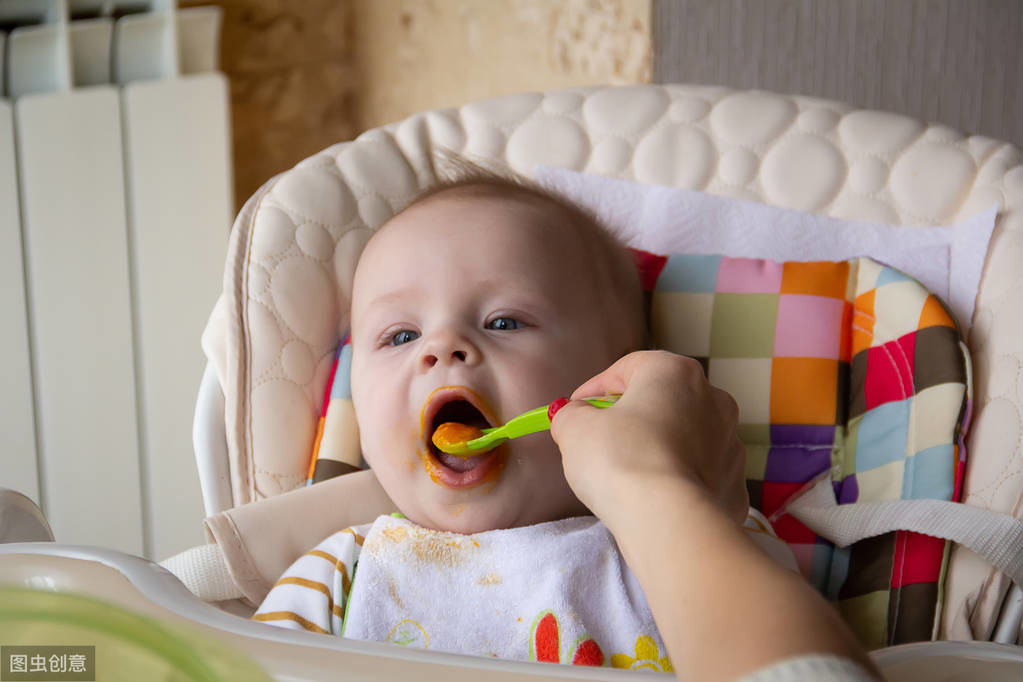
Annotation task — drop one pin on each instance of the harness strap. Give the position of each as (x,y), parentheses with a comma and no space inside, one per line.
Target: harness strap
(204,572)
(996,537)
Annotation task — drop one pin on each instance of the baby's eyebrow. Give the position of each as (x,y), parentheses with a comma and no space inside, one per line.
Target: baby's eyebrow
(390,296)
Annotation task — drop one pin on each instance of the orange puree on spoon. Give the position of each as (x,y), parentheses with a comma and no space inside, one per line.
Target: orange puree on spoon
(450,435)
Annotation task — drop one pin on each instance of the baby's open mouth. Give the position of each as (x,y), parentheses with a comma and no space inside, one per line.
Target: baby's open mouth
(461,412)
(459,405)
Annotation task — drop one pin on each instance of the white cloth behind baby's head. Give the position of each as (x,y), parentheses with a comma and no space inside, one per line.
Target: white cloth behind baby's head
(667,220)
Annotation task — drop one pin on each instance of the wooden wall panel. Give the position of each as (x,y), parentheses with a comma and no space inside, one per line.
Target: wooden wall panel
(292,82)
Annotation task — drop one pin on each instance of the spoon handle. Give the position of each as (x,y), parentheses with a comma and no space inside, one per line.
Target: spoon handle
(533,421)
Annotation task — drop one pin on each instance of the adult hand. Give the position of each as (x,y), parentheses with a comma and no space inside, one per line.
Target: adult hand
(669,422)
(663,468)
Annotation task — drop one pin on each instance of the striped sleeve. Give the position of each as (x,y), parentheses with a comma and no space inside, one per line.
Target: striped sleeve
(312,594)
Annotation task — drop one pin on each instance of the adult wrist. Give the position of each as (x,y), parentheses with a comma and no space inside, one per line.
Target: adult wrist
(642,500)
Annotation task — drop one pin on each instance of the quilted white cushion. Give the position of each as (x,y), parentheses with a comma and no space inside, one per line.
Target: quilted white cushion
(295,243)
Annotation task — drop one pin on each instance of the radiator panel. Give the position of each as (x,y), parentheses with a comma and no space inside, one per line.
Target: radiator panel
(17,414)
(72,174)
(179,197)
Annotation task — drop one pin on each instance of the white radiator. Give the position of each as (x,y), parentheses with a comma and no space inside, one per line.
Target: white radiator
(115,207)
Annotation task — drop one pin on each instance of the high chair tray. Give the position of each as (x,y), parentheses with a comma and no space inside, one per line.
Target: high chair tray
(147,588)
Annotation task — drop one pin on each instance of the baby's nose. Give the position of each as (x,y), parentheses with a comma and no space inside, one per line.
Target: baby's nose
(448,349)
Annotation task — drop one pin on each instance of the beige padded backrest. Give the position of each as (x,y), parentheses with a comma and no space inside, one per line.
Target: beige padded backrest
(295,243)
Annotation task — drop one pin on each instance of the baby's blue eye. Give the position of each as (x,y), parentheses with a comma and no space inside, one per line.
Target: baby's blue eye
(504,324)
(403,337)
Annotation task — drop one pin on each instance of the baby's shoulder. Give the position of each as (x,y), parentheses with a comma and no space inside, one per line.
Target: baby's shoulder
(352,537)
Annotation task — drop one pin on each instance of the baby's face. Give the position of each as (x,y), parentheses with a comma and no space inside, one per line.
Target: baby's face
(466,309)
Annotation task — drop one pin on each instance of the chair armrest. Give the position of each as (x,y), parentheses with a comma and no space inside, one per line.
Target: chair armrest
(209,439)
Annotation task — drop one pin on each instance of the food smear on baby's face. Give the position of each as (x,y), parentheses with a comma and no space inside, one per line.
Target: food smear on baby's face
(453,437)
(466,410)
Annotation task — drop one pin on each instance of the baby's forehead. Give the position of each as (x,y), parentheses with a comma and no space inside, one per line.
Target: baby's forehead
(524,207)
(529,218)
(492,237)
(559,242)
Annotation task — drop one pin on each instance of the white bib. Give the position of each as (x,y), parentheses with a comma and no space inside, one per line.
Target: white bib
(556,592)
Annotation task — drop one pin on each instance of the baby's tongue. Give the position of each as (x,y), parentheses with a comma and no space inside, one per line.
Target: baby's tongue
(460,464)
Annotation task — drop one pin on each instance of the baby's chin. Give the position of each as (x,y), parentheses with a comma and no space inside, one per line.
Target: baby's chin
(465,519)
(469,518)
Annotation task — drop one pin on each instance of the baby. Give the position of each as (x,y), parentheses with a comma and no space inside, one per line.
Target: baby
(482,300)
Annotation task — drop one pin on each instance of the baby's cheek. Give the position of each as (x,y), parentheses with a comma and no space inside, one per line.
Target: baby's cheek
(560,371)
(396,442)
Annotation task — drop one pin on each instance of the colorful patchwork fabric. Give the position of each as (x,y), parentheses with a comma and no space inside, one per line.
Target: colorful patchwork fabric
(846,369)
(336,448)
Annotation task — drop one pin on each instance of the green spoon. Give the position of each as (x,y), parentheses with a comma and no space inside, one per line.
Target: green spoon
(525,424)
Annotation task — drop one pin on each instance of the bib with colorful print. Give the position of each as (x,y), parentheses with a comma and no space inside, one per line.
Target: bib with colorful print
(558,592)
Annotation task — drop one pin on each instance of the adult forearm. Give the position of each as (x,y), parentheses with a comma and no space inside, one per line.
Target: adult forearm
(724,608)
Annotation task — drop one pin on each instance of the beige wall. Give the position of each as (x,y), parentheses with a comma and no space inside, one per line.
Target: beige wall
(413,55)
(958,62)
(308,73)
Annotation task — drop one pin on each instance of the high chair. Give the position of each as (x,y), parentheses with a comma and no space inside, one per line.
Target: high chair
(272,335)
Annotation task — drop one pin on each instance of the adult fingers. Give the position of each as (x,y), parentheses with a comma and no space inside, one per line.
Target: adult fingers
(616,379)
(612,381)
(570,417)
(726,405)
